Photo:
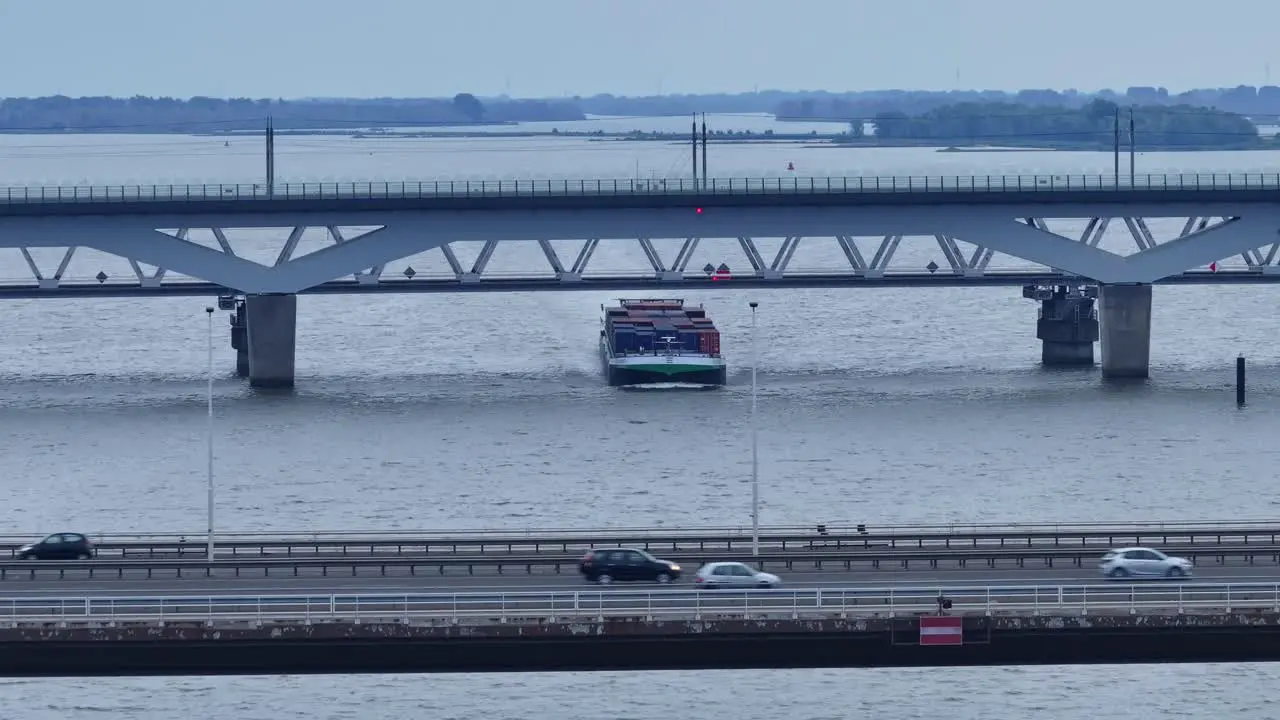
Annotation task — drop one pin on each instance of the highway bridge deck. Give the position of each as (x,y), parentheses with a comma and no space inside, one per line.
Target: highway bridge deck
(670,628)
(491,195)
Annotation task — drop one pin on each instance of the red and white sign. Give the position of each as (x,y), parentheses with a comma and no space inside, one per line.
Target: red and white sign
(941,630)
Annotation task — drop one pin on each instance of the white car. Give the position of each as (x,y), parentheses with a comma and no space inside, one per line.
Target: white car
(733,574)
(1137,562)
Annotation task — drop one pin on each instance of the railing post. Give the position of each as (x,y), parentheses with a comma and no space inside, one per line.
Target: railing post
(577,607)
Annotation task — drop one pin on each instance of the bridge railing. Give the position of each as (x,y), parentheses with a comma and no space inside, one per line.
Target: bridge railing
(672,186)
(647,606)
(820,560)
(784,538)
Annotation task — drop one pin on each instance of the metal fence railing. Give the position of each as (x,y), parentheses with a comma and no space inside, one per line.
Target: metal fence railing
(611,187)
(1261,532)
(671,603)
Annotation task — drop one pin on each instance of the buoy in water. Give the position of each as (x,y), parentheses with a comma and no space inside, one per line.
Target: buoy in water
(791,166)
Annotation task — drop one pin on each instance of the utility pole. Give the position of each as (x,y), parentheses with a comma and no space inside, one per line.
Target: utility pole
(1132,150)
(271,158)
(1116,148)
(755,441)
(695,150)
(705,176)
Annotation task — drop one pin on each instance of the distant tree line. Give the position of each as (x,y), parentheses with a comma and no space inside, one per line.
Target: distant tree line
(202,114)
(1245,99)
(1093,125)
(162,114)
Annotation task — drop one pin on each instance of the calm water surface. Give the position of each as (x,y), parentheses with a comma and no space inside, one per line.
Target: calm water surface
(1239,692)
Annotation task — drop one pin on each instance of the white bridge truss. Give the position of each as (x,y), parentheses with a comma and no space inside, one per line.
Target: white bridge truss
(419,252)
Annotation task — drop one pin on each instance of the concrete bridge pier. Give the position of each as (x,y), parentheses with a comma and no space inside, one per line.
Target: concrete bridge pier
(1126,331)
(240,339)
(271,326)
(1067,325)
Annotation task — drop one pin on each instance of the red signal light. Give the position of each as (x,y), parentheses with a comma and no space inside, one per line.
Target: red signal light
(699,211)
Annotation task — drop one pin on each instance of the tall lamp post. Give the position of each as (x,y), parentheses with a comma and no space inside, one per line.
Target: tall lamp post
(209,399)
(755,438)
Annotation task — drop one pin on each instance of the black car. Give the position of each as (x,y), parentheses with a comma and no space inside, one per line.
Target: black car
(626,564)
(58,546)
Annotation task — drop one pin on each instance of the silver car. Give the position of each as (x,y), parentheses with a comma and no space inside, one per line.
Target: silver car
(733,574)
(1138,562)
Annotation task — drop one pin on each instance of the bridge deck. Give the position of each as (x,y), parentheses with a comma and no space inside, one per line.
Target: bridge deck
(631,193)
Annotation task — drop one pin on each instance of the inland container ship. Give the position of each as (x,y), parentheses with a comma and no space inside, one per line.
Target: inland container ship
(648,342)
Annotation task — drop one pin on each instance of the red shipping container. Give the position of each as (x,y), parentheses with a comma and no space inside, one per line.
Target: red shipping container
(709,342)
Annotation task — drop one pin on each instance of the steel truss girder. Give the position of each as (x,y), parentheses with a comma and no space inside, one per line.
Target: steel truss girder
(1203,240)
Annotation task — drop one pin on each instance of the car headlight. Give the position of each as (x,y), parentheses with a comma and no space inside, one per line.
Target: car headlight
(675,567)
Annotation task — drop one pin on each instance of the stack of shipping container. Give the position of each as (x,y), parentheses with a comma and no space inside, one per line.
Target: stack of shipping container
(640,328)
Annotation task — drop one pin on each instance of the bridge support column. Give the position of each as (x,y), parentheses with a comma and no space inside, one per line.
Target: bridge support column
(1126,331)
(240,339)
(271,323)
(1067,325)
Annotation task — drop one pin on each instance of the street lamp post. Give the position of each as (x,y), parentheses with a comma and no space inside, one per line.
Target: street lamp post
(755,444)
(209,399)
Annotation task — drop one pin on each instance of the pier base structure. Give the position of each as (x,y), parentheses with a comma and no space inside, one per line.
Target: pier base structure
(1126,330)
(1067,324)
(271,330)
(239,332)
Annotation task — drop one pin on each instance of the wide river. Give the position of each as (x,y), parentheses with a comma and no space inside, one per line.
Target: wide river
(881,407)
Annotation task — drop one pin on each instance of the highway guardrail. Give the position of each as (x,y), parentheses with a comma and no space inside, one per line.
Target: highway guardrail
(1098,537)
(791,185)
(402,565)
(1163,598)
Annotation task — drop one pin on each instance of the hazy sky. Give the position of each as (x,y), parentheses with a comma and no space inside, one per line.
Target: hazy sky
(295,48)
